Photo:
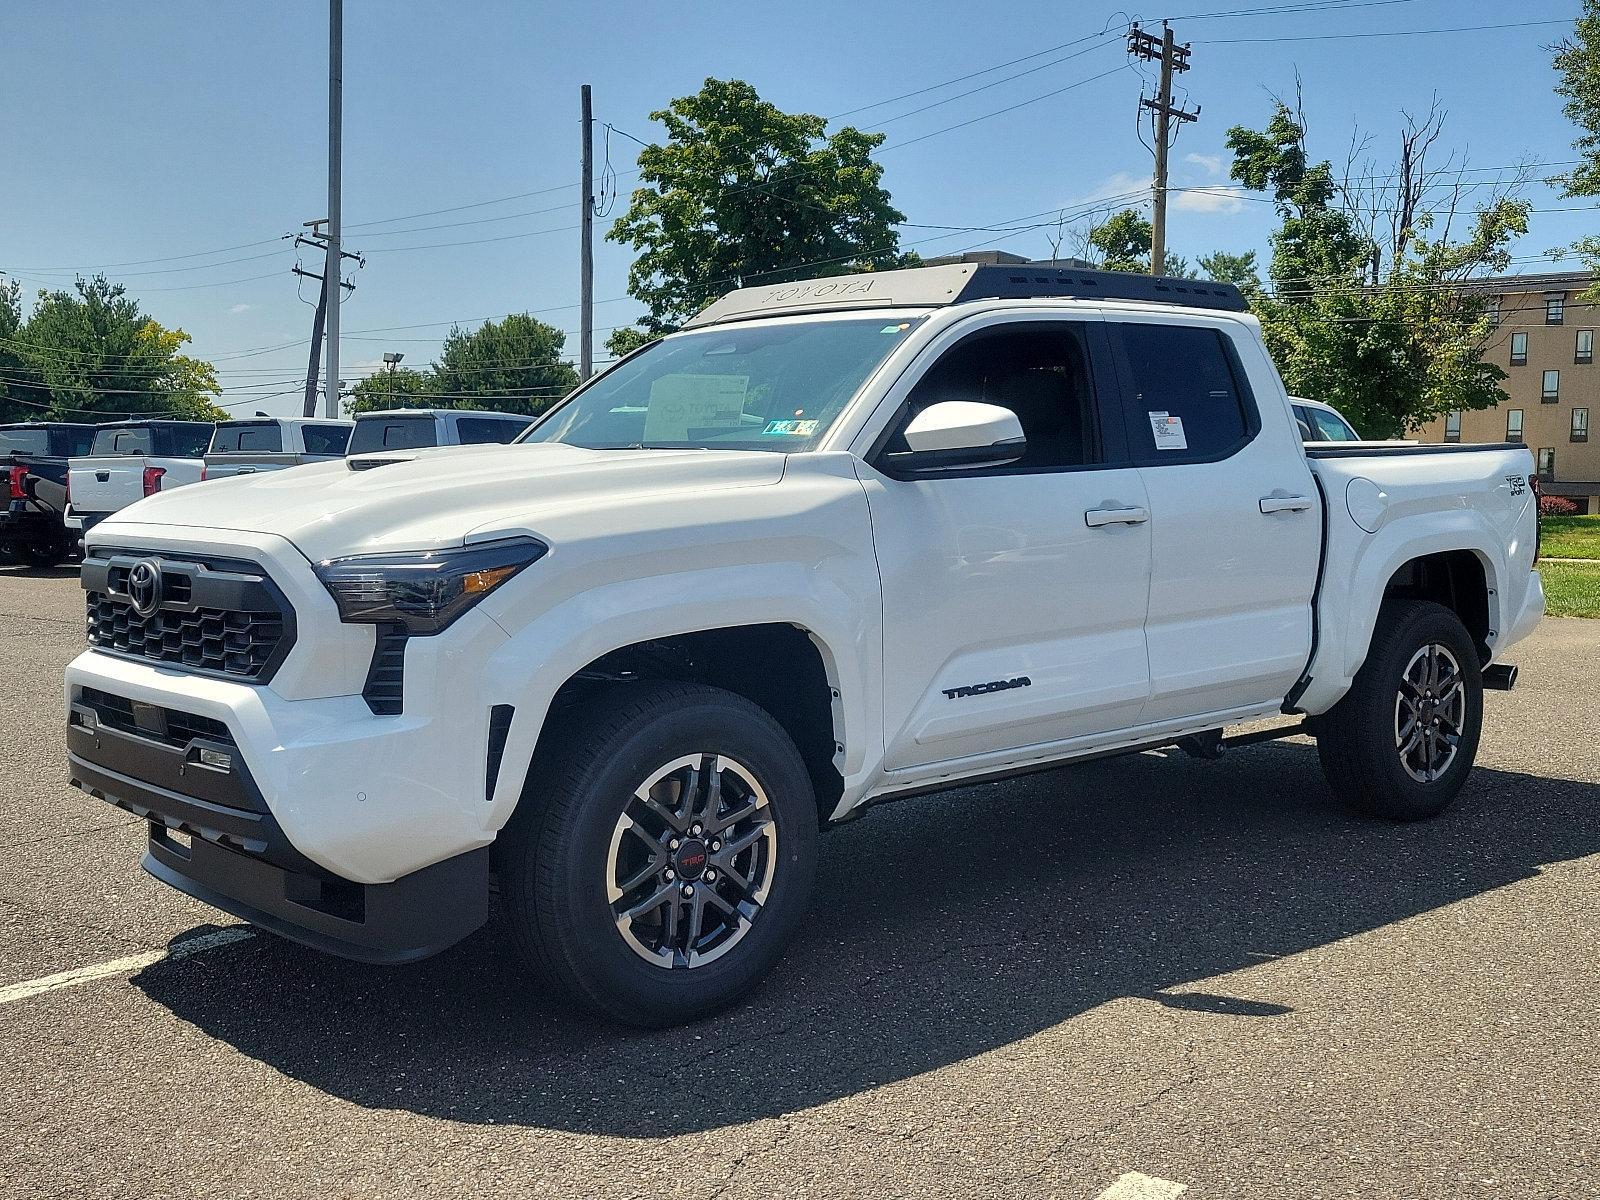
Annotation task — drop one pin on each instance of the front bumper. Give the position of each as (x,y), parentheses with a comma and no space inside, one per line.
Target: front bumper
(213,836)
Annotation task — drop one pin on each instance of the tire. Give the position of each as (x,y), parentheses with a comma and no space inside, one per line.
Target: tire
(41,555)
(1381,752)
(579,836)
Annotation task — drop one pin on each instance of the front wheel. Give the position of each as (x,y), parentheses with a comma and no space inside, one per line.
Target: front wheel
(1402,741)
(665,862)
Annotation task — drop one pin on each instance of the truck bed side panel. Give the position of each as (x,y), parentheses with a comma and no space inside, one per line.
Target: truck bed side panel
(1390,505)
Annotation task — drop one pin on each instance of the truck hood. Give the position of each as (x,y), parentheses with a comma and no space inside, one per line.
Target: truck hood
(433,499)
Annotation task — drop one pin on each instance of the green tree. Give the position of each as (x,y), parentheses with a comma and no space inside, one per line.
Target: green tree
(1124,242)
(92,351)
(744,193)
(1577,62)
(401,388)
(18,386)
(512,365)
(1238,269)
(1392,341)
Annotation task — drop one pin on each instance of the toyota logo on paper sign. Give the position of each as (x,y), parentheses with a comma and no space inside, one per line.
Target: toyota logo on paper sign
(144,586)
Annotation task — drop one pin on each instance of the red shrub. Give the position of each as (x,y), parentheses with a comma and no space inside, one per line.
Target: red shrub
(1557,506)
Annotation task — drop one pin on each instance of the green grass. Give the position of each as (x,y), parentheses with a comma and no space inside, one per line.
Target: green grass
(1571,589)
(1570,537)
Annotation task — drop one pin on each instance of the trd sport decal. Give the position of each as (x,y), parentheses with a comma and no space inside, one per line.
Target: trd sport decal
(983,689)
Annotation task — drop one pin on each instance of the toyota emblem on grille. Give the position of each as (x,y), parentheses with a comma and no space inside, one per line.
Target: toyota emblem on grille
(144,586)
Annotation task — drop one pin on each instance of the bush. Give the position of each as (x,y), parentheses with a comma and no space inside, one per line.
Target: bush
(1557,506)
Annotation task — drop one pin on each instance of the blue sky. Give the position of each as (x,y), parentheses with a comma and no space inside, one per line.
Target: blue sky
(138,133)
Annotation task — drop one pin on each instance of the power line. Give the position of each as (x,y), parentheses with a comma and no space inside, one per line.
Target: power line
(1391,33)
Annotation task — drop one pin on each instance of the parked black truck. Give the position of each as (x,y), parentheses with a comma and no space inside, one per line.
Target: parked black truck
(33,489)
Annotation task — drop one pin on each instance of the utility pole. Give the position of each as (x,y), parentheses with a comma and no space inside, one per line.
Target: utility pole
(1173,59)
(586,257)
(318,240)
(331,274)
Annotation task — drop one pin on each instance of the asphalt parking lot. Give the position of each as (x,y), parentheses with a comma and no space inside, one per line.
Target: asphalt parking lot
(1206,974)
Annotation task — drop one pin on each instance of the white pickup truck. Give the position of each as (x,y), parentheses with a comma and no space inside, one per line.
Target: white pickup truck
(253,444)
(836,543)
(129,460)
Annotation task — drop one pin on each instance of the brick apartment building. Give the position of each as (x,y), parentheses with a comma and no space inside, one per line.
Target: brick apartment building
(1544,342)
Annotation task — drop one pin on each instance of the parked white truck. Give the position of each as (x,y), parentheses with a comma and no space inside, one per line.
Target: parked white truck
(837,542)
(129,460)
(253,444)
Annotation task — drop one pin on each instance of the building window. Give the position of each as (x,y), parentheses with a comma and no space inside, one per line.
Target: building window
(1580,425)
(1585,351)
(1519,349)
(1555,308)
(1547,461)
(1514,425)
(1452,426)
(1494,312)
(1552,387)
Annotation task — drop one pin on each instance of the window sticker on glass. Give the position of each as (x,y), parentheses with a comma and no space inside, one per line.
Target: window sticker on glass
(1168,431)
(681,405)
(900,328)
(790,428)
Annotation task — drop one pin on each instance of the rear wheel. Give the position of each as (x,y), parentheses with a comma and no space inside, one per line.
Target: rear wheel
(1402,741)
(42,554)
(669,859)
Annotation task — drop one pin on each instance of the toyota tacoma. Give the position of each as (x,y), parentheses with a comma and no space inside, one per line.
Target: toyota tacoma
(835,543)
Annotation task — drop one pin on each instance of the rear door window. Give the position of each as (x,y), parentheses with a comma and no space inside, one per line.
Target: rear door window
(183,441)
(325,439)
(484,430)
(1331,427)
(1187,400)
(393,433)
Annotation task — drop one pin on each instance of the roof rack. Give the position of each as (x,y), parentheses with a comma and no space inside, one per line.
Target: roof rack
(961,283)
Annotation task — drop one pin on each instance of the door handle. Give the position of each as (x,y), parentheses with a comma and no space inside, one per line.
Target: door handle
(1278,504)
(1096,517)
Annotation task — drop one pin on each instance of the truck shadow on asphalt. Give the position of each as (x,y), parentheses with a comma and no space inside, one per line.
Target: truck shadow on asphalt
(942,928)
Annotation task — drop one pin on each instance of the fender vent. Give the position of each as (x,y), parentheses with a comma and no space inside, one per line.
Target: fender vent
(386,676)
(499,727)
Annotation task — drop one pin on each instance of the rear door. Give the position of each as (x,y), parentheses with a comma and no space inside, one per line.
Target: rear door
(1235,516)
(1013,597)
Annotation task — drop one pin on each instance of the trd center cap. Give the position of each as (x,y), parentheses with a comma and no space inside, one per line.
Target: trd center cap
(690,858)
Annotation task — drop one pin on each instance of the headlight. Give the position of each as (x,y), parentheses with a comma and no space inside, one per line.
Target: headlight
(424,591)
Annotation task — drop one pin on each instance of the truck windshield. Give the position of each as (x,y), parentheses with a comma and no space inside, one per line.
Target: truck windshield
(763,387)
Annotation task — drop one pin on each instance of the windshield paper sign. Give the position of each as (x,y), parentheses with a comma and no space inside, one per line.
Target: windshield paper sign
(680,404)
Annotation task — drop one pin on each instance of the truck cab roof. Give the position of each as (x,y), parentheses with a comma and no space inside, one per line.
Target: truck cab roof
(963,283)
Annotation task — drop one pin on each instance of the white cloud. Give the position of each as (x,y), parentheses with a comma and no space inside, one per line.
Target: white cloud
(1120,186)
(1223,198)
(240,308)
(1210,163)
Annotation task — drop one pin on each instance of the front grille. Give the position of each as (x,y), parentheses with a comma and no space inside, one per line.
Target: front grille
(213,616)
(167,725)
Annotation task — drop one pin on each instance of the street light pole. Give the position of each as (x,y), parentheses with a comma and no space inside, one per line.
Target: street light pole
(392,357)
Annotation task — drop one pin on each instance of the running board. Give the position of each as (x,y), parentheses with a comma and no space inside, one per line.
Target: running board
(1211,744)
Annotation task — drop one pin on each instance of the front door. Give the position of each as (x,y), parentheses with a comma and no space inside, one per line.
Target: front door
(1014,597)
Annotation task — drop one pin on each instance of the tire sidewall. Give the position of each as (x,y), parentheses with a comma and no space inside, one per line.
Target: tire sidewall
(614,974)
(1424,626)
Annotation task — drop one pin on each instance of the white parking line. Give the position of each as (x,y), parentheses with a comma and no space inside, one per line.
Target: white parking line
(1134,1186)
(122,966)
